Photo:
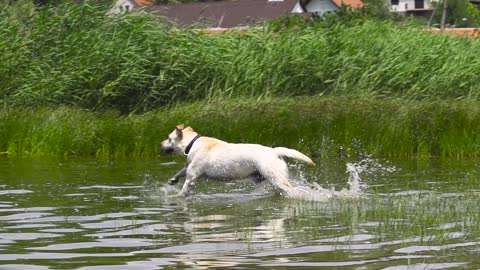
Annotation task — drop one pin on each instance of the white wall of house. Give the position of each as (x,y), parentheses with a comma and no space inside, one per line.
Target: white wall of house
(121,6)
(297,8)
(321,6)
(409,5)
(317,6)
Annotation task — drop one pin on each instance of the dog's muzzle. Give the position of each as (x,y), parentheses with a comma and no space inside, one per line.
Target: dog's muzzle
(167,150)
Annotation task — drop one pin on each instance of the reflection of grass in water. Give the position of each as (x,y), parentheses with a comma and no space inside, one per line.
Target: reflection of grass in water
(317,126)
(440,212)
(428,218)
(406,218)
(449,214)
(392,214)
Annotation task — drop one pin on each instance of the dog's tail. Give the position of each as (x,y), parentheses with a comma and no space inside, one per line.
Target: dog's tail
(291,153)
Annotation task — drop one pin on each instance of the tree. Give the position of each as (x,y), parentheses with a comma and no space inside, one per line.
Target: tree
(459,13)
(377,9)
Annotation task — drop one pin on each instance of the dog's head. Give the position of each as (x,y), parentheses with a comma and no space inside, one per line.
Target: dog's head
(175,142)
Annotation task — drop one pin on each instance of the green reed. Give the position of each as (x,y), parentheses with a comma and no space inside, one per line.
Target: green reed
(74,55)
(319,126)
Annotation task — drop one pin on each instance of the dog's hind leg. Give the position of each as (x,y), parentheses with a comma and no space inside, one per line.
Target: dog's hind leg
(277,173)
(176,177)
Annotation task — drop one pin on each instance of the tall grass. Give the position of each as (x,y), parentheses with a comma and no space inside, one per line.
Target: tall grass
(74,55)
(319,126)
(70,78)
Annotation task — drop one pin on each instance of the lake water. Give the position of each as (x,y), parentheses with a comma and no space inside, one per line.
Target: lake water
(87,214)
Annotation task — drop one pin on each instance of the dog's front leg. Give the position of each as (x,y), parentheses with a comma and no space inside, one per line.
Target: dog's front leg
(176,177)
(189,182)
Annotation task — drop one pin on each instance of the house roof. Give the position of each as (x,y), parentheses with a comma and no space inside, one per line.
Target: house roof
(338,3)
(142,3)
(225,14)
(352,3)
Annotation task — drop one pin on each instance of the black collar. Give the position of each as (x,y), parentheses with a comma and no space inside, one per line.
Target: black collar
(189,146)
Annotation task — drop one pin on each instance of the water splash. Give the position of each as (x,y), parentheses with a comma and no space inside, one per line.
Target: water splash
(305,186)
(354,180)
(167,190)
(306,190)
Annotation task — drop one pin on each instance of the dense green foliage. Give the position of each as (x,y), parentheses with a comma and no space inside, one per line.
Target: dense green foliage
(136,63)
(318,126)
(341,86)
(460,13)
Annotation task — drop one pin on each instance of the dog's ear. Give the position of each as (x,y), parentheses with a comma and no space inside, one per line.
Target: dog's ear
(179,131)
(189,128)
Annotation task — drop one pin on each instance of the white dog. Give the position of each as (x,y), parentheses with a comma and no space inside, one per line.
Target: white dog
(215,159)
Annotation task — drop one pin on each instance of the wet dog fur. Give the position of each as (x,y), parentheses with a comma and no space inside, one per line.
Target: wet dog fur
(215,159)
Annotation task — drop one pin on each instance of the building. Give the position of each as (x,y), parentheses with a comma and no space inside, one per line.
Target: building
(238,13)
(125,6)
(416,7)
(321,7)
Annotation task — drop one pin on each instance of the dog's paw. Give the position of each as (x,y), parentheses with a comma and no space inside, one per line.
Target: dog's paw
(182,194)
(172,181)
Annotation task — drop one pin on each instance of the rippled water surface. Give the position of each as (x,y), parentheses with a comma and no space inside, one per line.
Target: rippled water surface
(87,214)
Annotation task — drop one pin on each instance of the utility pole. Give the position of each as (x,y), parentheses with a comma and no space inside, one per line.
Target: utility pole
(444,16)
(430,21)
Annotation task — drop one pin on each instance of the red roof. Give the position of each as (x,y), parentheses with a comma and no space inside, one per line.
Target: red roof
(142,3)
(352,3)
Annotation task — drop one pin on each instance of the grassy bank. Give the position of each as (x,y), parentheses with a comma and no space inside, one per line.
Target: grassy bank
(318,126)
(74,55)
(107,86)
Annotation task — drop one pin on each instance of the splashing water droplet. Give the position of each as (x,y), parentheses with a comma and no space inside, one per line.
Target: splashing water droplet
(354,181)
(355,186)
